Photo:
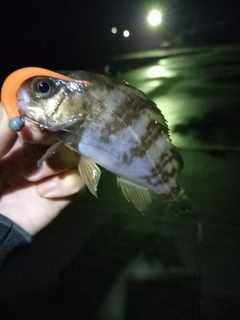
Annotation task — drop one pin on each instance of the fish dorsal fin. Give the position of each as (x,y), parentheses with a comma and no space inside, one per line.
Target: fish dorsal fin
(158,116)
(139,195)
(150,107)
(90,173)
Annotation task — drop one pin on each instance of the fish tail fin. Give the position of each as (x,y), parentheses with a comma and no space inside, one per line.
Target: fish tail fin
(180,203)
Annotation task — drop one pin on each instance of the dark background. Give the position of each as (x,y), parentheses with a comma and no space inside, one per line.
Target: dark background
(76,34)
(101,259)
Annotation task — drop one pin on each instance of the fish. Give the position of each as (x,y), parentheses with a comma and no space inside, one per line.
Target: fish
(108,122)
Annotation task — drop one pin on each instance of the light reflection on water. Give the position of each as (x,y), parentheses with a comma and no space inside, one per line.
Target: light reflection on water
(191,102)
(160,72)
(148,78)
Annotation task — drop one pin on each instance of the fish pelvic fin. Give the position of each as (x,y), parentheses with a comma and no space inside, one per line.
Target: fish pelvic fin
(50,152)
(90,174)
(138,195)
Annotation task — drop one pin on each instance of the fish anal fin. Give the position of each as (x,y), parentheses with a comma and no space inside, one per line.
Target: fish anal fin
(90,174)
(138,195)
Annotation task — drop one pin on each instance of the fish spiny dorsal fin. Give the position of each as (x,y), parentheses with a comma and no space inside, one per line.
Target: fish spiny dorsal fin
(150,107)
(139,195)
(157,116)
(90,174)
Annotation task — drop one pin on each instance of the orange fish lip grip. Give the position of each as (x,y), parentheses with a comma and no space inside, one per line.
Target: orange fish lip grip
(12,84)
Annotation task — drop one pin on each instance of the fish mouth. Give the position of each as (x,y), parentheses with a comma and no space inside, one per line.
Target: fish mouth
(26,119)
(61,127)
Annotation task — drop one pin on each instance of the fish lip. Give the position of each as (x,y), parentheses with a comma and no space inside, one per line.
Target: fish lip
(62,127)
(26,119)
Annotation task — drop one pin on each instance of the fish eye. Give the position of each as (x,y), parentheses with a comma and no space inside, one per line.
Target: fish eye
(44,88)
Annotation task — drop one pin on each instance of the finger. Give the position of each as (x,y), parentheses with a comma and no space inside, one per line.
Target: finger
(32,133)
(7,136)
(63,160)
(64,185)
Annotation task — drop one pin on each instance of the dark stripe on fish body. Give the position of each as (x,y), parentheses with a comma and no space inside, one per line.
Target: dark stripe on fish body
(124,115)
(153,132)
(167,160)
(167,175)
(158,171)
(126,158)
(129,110)
(164,155)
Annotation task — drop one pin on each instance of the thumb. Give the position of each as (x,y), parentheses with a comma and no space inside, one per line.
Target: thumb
(7,136)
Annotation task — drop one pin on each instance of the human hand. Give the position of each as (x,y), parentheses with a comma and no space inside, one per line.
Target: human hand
(32,197)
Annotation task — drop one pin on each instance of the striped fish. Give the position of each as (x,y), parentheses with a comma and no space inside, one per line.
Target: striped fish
(108,123)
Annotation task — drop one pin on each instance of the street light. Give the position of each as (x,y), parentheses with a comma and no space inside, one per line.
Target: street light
(154,18)
(114,30)
(126,33)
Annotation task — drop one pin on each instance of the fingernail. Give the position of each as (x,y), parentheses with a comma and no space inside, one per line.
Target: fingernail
(45,188)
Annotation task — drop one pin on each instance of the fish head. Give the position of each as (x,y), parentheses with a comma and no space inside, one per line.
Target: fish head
(52,103)
(52,100)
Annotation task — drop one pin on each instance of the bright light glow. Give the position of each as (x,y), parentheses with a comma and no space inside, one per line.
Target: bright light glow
(154,18)
(114,30)
(126,33)
(158,72)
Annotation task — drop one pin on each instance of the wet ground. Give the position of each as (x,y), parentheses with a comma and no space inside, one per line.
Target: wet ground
(102,259)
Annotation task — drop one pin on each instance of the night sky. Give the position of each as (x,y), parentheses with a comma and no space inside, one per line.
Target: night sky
(76,34)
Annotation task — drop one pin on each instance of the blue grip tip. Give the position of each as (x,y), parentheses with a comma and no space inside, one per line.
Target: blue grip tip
(16,124)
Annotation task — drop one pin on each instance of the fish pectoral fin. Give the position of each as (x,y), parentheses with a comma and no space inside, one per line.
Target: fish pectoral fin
(90,174)
(50,151)
(139,195)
